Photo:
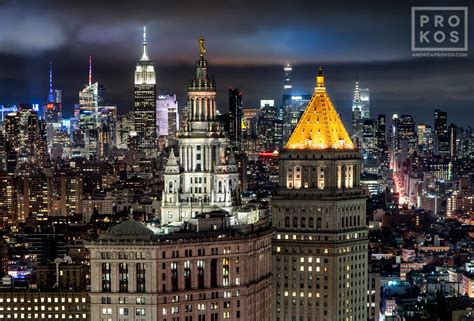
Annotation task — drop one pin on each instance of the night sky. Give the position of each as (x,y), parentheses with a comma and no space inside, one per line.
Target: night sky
(247,44)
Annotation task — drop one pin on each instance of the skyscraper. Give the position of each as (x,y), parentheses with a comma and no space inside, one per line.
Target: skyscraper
(204,177)
(52,108)
(360,112)
(23,135)
(365,103)
(235,116)
(90,98)
(407,135)
(441,132)
(420,134)
(356,117)
(145,102)
(382,148)
(293,107)
(287,86)
(167,120)
(369,142)
(452,140)
(165,104)
(320,248)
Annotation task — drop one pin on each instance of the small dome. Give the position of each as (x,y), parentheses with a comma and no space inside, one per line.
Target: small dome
(128,230)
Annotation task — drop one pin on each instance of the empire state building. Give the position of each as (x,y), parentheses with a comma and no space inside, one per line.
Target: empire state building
(144,119)
(203,178)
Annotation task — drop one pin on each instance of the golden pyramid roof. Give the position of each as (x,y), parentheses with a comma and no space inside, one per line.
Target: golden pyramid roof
(320,126)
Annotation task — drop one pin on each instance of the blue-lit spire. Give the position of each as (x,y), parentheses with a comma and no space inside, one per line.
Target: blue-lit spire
(50,95)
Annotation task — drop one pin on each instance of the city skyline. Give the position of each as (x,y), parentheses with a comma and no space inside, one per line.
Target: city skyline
(235,161)
(383,64)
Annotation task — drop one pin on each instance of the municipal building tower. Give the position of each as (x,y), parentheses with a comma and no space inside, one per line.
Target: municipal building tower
(203,178)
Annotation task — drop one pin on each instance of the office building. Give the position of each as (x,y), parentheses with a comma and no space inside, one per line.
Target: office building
(144,113)
(365,102)
(173,122)
(356,134)
(206,272)
(441,133)
(53,107)
(167,120)
(235,116)
(287,86)
(86,136)
(38,306)
(320,247)
(452,140)
(292,109)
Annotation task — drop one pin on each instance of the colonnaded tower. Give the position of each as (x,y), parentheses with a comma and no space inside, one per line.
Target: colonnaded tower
(204,177)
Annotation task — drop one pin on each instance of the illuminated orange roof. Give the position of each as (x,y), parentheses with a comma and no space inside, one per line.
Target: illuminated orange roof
(320,126)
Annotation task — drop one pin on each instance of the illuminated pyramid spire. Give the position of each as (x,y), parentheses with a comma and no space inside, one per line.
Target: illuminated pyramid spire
(320,126)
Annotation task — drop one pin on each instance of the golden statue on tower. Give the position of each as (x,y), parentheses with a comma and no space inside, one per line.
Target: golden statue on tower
(202,50)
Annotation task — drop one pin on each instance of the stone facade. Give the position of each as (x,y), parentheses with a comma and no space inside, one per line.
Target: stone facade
(320,247)
(206,275)
(204,176)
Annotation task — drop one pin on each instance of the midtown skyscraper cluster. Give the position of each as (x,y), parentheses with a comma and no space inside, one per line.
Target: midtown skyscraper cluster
(181,210)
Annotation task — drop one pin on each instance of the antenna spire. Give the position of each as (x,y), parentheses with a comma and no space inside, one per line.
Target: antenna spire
(50,96)
(145,53)
(90,70)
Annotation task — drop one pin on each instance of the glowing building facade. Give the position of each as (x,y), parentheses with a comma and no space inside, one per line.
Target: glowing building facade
(360,112)
(204,176)
(320,247)
(87,134)
(167,117)
(145,102)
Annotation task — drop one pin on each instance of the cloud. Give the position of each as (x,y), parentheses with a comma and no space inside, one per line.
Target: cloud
(25,31)
(247,42)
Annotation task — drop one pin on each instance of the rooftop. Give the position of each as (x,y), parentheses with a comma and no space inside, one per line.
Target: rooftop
(320,127)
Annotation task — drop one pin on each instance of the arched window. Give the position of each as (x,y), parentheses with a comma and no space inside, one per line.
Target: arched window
(311,222)
(350,221)
(343,225)
(358,220)
(318,222)
(220,187)
(303,222)
(171,187)
(287,221)
(295,222)
(347,221)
